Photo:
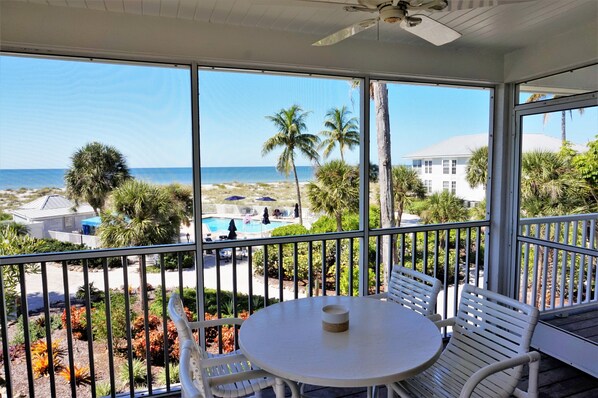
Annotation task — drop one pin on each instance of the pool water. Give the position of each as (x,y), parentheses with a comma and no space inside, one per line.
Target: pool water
(221,224)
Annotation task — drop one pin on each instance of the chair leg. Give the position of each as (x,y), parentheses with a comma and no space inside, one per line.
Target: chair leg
(279,388)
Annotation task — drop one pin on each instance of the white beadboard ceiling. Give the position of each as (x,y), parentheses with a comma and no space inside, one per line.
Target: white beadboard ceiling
(497,29)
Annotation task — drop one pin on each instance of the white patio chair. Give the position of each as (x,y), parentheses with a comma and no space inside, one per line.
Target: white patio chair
(227,375)
(414,290)
(486,353)
(191,374)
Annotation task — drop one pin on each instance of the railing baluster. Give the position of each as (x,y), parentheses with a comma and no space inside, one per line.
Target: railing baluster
(25,315)
(592,261)
(310,269)
(324,268)
(425,254)
(338,268)
(89,325)
(351,267)
(446,273)
(50,349)
(402,260)
(280,274)
(165,316)
(580,271)
(456,281)
(478,243)
(564,257)
(378,238)
(145,304)
(544,268)
(413,250)
(109,337)
(536,263)
(4,326)
(295,270)
(266,293)
(250,308)
(525,280)
(467,250)
(582,264)
(126,286)
(555,260)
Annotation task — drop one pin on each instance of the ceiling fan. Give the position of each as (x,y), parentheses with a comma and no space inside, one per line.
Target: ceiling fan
(401,13)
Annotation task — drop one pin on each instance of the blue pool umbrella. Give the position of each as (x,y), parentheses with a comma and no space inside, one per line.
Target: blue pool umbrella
(235,197)
(266,199)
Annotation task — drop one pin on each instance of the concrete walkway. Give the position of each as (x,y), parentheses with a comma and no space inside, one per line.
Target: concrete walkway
(116,280)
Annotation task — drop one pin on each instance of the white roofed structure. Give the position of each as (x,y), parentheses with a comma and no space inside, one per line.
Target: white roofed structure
(51,213)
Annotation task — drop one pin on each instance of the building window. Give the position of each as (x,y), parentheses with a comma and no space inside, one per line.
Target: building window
(445,166)
(445,186)
(417,164)
(428,186)
(454,166)
(428,167)
(454,187)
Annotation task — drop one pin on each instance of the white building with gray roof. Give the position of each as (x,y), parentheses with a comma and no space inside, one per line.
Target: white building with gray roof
(442,166)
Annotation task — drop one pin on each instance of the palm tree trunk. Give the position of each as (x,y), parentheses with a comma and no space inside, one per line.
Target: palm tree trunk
(298,194)
(380,94)
(563,126)
(339,222)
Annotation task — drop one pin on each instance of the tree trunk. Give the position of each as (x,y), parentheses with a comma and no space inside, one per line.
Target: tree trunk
(380,94)
(298,195)
(563,126)
(339,222)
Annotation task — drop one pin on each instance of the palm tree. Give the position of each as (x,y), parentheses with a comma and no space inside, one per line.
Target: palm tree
(335,190)
(142,214)
(341,129)
(539,97)
(476,171)
(444,207)
(379,93)
(182,202)
(291,137)
(406,185)
(550,185)
(96,169)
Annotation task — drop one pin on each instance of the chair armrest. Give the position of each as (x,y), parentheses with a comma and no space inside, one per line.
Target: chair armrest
(481,374)
(215,322)
(238,376)
(434,318)
(445,322)
(222,360)
(378,296)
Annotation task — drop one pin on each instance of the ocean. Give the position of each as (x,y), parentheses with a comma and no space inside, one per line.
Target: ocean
(54,178)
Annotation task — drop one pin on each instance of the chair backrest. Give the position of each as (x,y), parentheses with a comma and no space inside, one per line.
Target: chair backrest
(489,327)
(176,310)
(413,290)
(192,376)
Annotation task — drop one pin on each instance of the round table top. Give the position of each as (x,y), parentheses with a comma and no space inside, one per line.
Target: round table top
(385,342)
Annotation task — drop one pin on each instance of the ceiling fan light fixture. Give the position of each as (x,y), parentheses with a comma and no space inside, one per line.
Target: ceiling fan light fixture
(392,14)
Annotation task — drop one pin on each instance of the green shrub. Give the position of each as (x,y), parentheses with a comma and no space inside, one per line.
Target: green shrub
(118,317)
(344,280)
(290,230)
(171,261)
(37,328)
(173,369)
(103,389)
(95,294)
(139,373)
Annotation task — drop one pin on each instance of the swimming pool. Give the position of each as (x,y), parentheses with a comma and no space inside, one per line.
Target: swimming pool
(221,224)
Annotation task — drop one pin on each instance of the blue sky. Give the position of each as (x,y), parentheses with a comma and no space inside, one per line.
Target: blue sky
(49,108)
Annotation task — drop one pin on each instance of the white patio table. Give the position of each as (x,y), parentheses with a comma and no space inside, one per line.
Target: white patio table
(384,343)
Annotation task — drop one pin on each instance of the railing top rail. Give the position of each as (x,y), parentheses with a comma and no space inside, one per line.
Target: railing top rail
(554,219)
(88,254)
(429,227)
(559,246)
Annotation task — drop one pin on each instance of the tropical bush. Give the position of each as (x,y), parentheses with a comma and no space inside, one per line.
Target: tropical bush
(118,316)
(139,373)
(37,328)
(173,370)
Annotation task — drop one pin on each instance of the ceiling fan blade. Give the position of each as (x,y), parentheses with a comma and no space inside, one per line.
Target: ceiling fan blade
(431,30)
(454,5)
(346,32)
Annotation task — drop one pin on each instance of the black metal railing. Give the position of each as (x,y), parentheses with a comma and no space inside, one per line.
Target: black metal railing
(112,303)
